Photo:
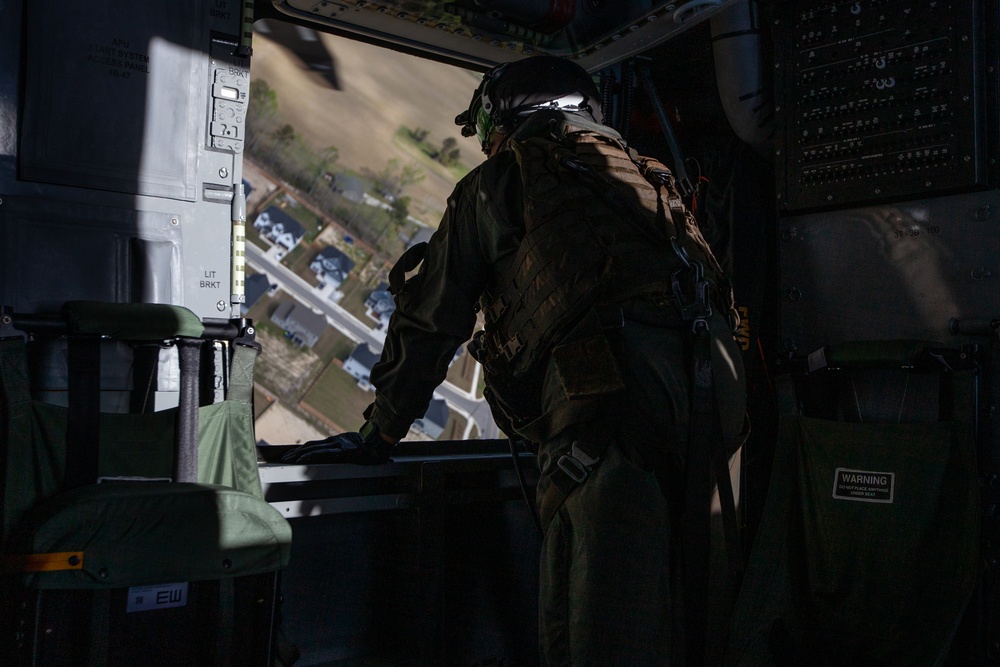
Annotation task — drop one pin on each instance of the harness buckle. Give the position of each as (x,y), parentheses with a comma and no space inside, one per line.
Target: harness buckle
(576,464)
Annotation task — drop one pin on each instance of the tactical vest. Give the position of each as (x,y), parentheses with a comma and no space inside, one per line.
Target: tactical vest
(601,228)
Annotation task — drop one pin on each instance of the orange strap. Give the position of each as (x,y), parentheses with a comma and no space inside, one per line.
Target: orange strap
(51,562)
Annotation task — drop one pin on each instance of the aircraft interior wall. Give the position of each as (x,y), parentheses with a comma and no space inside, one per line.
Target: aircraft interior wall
(872,217)
(120,159)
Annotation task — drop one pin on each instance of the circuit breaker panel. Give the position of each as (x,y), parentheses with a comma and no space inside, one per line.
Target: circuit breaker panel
(887,111)
(878,99)
(121,163)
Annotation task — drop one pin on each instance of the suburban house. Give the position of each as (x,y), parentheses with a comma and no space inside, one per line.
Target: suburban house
(351,187)
(302,326)
(359,364)
(256,286)
(380,305)
(279,227)
(331,267)
(434,420)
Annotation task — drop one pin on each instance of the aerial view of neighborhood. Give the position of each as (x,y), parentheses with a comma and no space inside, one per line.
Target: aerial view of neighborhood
(338,187)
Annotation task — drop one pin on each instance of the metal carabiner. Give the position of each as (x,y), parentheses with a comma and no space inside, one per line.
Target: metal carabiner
(681,252)
(700,306)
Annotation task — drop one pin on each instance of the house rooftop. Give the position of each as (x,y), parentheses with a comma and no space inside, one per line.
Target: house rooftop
(364,356)
(289,225)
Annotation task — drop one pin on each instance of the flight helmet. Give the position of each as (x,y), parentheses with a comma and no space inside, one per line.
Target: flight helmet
(511,91)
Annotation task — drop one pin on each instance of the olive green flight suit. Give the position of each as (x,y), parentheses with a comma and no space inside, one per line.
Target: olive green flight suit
(607,555)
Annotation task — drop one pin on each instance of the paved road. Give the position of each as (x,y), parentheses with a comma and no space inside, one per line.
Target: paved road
(465,403)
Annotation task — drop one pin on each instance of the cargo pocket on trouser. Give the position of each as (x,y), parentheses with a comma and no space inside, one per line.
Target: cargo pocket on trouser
(605,587)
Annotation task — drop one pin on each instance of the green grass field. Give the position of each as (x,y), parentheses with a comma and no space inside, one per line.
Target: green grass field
(336,394)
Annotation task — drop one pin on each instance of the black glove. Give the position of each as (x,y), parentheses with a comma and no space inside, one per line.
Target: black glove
(344,448)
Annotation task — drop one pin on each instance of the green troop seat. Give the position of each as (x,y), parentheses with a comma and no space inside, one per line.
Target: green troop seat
(868,550)
(107,557)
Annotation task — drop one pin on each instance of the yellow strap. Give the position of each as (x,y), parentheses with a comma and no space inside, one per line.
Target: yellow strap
(51,562)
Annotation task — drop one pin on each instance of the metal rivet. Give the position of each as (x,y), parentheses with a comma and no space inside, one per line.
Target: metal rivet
(74,560)
(174,221)
(223,172)
(793,294)
(221,305)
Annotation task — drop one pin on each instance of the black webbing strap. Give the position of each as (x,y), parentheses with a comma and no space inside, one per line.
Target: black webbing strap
(83,420)
(15,407)
(706,456)
(186,431)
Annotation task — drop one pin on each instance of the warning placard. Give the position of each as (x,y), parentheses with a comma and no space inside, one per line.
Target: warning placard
(863,485)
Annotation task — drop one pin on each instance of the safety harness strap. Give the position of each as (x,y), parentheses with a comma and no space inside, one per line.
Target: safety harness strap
(707,457)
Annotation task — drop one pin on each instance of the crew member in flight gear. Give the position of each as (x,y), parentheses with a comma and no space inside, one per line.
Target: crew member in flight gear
(607,342)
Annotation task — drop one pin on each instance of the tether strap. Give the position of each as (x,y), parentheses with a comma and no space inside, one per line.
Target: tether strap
(707,453)
(84,413)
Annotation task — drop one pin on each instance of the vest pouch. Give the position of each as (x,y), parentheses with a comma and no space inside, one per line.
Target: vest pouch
(587,368)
